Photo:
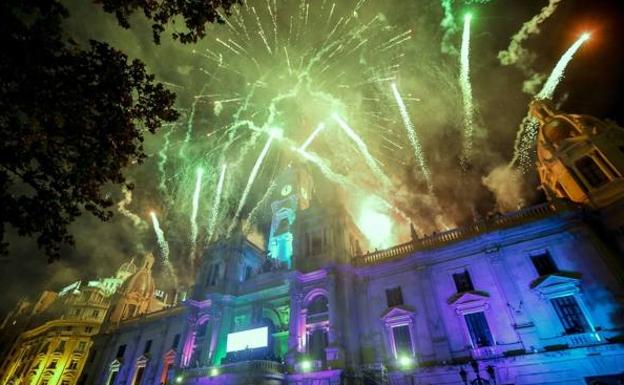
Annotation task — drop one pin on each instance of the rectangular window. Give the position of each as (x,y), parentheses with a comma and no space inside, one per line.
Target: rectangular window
(402,340)
(570,314)
(317,342)
(148,346)
(590,170)
(120,351)
(544,264)
(65,382)
(463,282)
(73,365)
(176,341)
(113,377)
(60,348)
(52,364)
(394,296)
(81,346)
(209,275)
(139,375)
(215,275)
(479,330)
(95,313)
(88,329)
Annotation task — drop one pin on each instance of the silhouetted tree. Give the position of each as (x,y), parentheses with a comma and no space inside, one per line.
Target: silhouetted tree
(71,119)
(195,13)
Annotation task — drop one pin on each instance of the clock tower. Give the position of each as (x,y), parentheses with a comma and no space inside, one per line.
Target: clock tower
(294,190)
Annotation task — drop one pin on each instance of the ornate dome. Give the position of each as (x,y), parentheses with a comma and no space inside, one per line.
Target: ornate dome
(126,269)
(141,283)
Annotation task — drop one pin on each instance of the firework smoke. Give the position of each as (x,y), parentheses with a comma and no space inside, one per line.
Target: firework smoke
(122,208)
(449,26)
(521,57)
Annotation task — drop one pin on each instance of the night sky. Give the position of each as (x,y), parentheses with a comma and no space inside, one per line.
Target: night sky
(428,80)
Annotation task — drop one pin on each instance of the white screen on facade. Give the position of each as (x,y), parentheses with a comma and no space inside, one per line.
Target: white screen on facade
(248,339)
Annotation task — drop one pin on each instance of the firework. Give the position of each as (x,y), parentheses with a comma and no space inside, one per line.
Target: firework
(411,134)
(524,146)
(194,211)
(466,89)
(217,202)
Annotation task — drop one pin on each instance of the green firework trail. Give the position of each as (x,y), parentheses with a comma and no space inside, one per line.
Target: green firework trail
(194,211)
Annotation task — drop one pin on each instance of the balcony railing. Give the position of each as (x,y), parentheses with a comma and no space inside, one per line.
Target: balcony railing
(494,223)
(257,366)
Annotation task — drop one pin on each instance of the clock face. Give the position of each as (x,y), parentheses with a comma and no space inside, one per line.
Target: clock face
(286,190)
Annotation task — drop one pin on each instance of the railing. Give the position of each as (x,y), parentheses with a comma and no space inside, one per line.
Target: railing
(485,352)
(256,366)
(583,339)
(494,223)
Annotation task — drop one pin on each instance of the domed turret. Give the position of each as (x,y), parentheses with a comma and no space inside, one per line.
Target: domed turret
(580,158)
(126,270)
(136,293)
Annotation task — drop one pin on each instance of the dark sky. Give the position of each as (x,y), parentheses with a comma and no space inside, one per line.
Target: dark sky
(592,85)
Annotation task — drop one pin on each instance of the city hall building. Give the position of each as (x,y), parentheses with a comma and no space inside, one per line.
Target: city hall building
(528,297)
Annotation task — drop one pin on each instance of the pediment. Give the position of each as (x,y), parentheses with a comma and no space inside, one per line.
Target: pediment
(397,312)
(558,284)
(468,297)
(556,279)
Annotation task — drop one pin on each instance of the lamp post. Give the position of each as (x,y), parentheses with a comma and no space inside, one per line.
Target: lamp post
(478,380)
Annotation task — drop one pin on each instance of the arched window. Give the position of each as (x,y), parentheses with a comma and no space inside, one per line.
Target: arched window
(317,327)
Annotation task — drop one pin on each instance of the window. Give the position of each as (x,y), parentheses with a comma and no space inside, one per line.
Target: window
(570,314)
(139,375)
(463,282)
(60,348)
(76,311)
(213,274)
(52,364)
(201,330)
(81,346)
(73,365)
(95,313)
(402,340)
(544,264)
(317,342)
(44,382)
(479,330)
(318,305)
(590,170)
(120,351)
(88,329)
(148,346)
(65,382)
(248,271)
(394,296)
(113,376)
(176,341)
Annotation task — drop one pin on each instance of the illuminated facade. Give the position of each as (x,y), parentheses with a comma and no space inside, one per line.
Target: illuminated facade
(52,338)
(529,297)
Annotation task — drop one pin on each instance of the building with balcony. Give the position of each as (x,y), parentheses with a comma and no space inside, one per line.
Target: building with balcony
(528,297)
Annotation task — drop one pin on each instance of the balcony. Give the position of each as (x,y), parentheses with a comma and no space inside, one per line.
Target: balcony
(486,352)
(260,371)
(498,222)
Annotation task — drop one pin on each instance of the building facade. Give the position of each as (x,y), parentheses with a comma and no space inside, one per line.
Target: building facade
(529,297)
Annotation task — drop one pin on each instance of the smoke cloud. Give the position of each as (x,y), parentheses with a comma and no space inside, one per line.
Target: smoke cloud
(521,57)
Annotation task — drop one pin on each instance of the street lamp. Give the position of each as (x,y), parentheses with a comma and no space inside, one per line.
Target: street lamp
(478,379)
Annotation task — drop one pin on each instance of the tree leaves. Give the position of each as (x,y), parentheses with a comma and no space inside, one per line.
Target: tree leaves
(71,120)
